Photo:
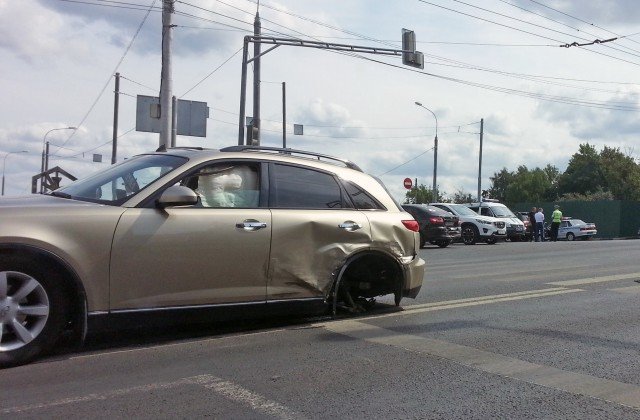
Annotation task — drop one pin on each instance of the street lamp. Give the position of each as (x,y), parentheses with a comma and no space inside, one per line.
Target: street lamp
(45,152)
(4,164)
(435,153)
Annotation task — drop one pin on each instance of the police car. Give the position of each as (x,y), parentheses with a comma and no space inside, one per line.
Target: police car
(572,229)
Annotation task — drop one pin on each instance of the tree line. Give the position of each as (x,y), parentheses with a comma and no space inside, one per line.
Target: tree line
(590,175)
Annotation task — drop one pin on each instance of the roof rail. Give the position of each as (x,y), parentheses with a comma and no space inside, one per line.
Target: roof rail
(164,148)
(288,151)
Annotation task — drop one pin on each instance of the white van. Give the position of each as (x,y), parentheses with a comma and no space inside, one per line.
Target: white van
(492,208)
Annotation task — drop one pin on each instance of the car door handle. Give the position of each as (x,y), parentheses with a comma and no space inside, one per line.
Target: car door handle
(349,226)
(251,225)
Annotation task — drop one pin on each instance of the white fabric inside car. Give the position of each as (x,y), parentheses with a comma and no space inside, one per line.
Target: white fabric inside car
(234,187)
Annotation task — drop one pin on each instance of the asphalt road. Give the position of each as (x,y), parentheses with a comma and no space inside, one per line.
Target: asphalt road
(513,330)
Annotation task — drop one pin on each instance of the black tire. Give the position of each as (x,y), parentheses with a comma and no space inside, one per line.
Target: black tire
(491,241)
(443,244)
(571,237)
(469,234)
(22,273)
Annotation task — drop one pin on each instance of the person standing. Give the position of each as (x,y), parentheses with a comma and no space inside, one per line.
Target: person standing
(532,223)
(540,225)
(556,217)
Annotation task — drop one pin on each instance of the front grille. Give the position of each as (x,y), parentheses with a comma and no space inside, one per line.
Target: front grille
(499,225)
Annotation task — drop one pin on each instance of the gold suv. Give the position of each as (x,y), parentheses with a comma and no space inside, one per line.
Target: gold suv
(173,235)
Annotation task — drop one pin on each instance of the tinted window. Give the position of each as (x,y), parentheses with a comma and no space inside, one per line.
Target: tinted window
(296,187)
(361,199)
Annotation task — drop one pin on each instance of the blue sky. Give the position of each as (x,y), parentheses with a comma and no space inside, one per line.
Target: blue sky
(492,59)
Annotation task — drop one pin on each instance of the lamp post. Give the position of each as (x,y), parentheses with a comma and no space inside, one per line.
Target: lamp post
(4,164)
(45,154)
(435,153)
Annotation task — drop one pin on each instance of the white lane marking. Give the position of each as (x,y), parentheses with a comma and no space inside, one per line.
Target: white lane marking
(591,280)
(257,402)
(485,361)
(225,388)
(408,310)
(629,289)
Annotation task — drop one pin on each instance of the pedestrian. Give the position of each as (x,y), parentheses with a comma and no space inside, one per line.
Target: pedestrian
(540,225)
(556,217)
(532,223)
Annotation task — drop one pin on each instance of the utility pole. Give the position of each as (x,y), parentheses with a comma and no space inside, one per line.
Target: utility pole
(284,115)
(480,161)
(256,79)
(166,74)
(116,104)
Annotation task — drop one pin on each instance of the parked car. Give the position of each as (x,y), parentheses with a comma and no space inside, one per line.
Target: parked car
(438,227)
(475,227)
(528,227)
(179,233)
(572,229)
(515,226)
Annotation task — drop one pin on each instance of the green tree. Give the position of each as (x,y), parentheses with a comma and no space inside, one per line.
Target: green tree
(584,173)
(420,194)
(499,183)
(621,174)
(460,197)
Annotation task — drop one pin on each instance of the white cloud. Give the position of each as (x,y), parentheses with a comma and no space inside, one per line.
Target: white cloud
(57,57)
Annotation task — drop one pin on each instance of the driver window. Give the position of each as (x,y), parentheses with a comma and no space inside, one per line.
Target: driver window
(485,211)
(227,185)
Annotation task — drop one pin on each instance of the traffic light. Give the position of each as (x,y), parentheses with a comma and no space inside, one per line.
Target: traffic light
(410,56)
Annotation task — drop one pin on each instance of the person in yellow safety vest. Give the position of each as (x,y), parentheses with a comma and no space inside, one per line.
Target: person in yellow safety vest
(556,217)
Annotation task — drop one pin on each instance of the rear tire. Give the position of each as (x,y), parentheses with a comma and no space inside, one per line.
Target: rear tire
(443,244)
(33,309)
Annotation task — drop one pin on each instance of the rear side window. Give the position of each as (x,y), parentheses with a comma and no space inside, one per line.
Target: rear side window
(295,187)
(361,199)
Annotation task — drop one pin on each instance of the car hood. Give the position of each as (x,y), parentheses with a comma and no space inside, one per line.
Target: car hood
(512,220)
(481,217)
(41,200)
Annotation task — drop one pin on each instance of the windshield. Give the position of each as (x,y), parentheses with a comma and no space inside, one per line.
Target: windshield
(118,183)
(461,210)
(501,211)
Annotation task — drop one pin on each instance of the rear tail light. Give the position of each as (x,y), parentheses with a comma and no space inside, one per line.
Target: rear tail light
(411,225)
(436,220)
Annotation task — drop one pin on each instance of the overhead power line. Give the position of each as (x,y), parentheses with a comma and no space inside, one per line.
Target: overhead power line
(126,51)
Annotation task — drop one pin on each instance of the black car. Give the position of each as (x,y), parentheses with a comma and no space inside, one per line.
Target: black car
(438,227)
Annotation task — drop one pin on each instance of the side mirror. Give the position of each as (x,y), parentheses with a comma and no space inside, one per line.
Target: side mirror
(177,195)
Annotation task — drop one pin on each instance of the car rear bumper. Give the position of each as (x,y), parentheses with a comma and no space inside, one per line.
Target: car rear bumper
(413,277)
(442,233)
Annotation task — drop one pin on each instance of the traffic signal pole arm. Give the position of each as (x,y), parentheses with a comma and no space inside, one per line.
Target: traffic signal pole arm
(277,42)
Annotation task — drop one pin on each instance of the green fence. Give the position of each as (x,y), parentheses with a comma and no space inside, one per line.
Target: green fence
(613,219)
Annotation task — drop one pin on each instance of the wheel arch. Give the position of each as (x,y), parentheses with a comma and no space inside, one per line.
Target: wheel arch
(73,286)
(361,257)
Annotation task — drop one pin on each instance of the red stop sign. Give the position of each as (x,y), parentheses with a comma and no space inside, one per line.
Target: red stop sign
(407,183)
